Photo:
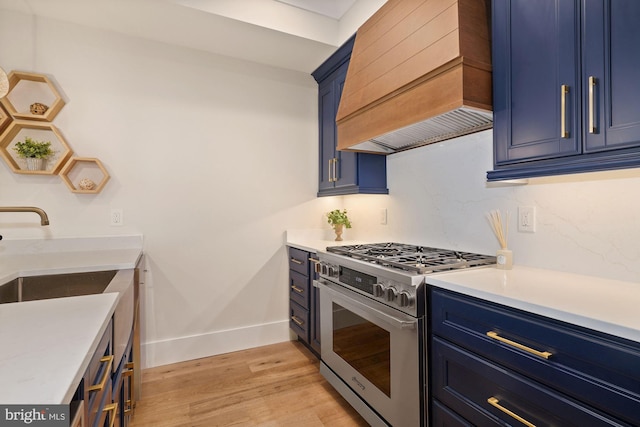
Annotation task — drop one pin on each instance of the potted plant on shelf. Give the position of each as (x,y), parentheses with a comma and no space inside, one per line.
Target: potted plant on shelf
(338,220)
(34,152)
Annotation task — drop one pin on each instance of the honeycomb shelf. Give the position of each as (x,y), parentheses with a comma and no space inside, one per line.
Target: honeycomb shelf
(28,91)
(5,118)
(79,169)
(18,130)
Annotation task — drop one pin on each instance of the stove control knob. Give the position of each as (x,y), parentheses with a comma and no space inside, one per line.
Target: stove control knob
(406,300)
(333,271)
(391,294)
(378,290)
(324,269)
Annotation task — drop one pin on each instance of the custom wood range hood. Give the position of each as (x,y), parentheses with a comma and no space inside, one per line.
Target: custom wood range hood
(420,72)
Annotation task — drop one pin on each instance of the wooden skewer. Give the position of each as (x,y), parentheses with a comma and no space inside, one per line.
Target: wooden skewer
(501,233)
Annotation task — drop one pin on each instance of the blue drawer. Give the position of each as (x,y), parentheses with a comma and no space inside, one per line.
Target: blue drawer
(488,395)
(299,261)
(299,321)
(299,288)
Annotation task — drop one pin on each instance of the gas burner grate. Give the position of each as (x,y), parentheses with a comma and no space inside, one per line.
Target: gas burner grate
(412,258)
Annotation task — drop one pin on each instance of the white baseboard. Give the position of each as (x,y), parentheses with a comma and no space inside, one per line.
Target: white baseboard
(158,353)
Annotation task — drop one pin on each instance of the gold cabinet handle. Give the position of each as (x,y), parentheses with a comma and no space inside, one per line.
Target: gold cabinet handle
(335,169)
(105,375)
(113,408)
(297,321)
(297,289)
(592,85)
(495,403)
(564,90)
(129,374)
(296,261)
(543,354)
(330,169)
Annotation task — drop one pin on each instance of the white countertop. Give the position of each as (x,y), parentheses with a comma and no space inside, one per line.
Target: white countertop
(24,258)
(600,304)
(46,345)
(604,305)
(43,360)
(316,240)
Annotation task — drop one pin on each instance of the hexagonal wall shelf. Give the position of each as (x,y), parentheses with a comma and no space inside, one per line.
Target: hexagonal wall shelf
(28,93)
(20,129)
(5,118)
(84,175)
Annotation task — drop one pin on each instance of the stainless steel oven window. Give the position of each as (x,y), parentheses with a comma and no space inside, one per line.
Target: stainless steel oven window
(363,345)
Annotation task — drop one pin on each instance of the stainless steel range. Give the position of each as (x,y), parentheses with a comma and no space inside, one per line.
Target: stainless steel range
(372,308)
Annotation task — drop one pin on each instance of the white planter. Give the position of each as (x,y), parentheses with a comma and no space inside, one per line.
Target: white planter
(34,164)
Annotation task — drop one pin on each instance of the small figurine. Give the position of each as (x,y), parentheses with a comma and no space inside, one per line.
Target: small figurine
(86,184)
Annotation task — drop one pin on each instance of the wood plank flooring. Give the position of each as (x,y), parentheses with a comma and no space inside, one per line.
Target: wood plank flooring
(275,385)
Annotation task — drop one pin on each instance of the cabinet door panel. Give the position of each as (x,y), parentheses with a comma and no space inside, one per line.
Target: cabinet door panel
(613,60)
(347,161)
(326,110)
(534,51)
(342,172)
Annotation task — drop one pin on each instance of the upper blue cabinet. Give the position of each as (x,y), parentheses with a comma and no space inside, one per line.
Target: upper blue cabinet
(342,172)
(566,96)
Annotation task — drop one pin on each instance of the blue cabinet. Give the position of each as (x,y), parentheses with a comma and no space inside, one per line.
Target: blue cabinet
(304,299)
(342,172)
(487,357)
(566,98)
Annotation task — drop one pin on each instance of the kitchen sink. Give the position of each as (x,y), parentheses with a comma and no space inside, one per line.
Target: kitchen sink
(55,286)
(76,284)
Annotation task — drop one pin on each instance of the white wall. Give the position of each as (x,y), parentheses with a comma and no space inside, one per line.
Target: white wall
(211,159)
(586,223)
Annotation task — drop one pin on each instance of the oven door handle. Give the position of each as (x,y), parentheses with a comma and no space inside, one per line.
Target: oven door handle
(336,291)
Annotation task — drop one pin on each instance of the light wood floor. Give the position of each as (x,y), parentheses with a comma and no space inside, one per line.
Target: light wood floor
(275,385)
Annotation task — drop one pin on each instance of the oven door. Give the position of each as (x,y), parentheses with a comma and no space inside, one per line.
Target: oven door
(374,350)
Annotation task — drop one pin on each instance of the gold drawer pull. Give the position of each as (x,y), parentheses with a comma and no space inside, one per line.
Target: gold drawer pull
(105,375)
(297,321)
(129,374)
(113,408)
(296,261)
(297,289)
(494,402)
(543,354)
(128,408)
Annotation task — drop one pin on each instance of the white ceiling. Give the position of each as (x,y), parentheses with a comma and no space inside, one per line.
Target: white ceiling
(273,32)
(331,8)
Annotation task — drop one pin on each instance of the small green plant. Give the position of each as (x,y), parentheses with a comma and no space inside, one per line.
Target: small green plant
(32,148)
(338,217)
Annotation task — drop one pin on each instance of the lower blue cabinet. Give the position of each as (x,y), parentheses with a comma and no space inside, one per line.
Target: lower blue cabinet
(304,301)
(494,365)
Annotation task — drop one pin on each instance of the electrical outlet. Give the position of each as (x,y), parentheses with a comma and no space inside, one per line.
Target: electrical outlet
(527,219)
(116,217)
(383,216)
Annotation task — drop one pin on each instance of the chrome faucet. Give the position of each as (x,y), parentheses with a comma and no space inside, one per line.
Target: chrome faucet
(44,219)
